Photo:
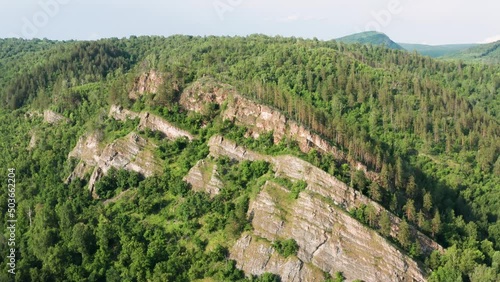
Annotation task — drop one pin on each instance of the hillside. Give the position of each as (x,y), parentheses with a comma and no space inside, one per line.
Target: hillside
(436,51)
(371,38)
(485,53)
(248,159)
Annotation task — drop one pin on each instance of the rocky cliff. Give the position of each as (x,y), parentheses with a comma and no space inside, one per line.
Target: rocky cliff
(131,152)
(204,177)
(148,120)
(318,181)
(148,82)
(259,118)
(328,239)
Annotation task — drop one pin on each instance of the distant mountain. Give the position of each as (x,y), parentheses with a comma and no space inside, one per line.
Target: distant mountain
(436,51)
(485,53)
(371,37)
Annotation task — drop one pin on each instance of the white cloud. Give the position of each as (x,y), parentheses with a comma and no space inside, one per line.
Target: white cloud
(491,39)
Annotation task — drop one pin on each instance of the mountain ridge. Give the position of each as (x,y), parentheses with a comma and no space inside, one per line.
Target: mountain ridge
(372,38)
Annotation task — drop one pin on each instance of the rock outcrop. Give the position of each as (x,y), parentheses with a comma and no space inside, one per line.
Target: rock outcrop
(148,82)
(204,177)
(256,256)
(53,117)
(318,182)
(328,239)
(131,152)
(259,119)
(33,140)
(48,116)
(328,236)
(148,120)
(205,91)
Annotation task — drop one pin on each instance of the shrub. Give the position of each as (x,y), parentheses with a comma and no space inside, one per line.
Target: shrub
(286,248)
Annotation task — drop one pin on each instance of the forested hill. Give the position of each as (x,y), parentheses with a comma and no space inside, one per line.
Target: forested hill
(437,51)
(427,132)
(485,53)
(371,38)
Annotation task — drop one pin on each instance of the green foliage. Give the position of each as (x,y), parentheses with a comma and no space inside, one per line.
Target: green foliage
(484,53)
(116,180)
(339,277)
(268,277)
(298,187)
(286,248)
(429,128)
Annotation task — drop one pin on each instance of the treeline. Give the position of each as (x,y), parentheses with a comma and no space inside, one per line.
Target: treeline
(77,65)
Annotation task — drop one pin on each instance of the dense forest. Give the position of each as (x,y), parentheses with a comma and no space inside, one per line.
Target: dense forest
(429,129)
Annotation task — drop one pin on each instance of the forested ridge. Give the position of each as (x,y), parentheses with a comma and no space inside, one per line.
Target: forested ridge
(428,128)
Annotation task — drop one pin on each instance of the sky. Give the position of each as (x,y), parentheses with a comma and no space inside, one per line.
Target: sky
(405,21)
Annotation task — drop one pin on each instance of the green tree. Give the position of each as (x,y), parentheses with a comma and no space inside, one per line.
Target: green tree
(404,235)
(375,191)
(436,224)
(385,224)
(427,202)
(409,209)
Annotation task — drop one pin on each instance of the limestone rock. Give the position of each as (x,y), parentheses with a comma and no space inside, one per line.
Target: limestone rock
(205,91)
(328,239)
(156,123)
(53,117)
(148,120)
(148,82)
(256,257)
(260,119)
(204,177)
(131,152)
(318,181)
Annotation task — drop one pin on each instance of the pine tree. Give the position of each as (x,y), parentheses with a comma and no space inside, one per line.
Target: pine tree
(409,209)
(436,224)
(427,202)
(411,188)
(385,224)
(375,192)
(404,234)
(399,173)
(371,215)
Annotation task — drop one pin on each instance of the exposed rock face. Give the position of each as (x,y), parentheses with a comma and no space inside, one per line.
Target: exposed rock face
(147,120)
(148,82)
(33,140)
(204,177)
(48,116)
(256,257)
(327,236)
(318,182)
(119,113)
(131,152)
(259,118)
(53,117)
(203,92)
(156,123)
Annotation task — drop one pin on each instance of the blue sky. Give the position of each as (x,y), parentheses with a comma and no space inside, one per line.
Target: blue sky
(412,21)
